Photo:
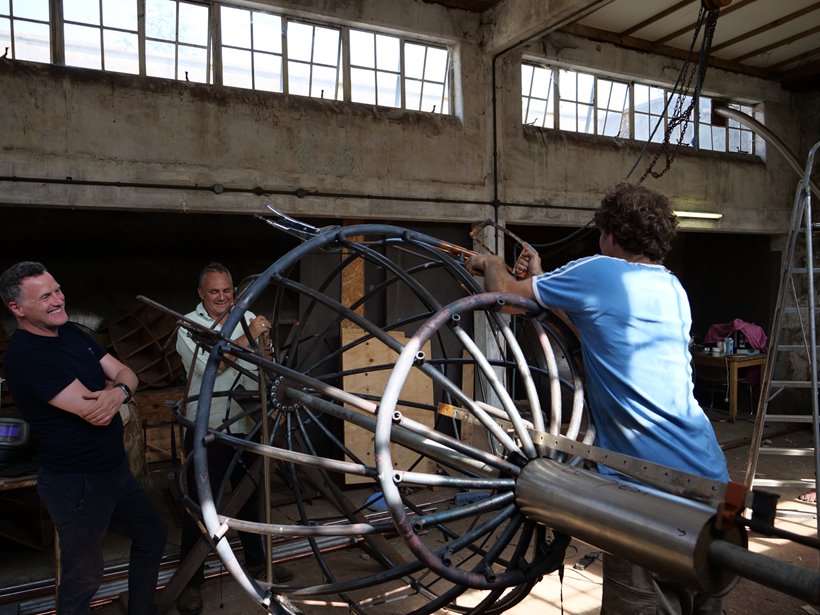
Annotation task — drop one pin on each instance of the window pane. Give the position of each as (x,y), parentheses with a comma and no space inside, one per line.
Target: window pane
(194,62)
(5,34)
(586,119)
(586,88)
(363,86)
(31,9)
(389,90)
(610,123)
(719,139)
(362,51)
(121,52)
(526,78)
(705,110)
(193,24)
(159,61)
(236,67)
(412,94)
(298,77)
(436,69)
(82,46)
(268,72)
(567,85)
(705,137)
(657,101)
(642,127)
(326,46)
(236,28)
(324,83)
(432,98)
(267,33)
(413,61)
(32,41)
(541,82)
(300,41)
(387,53)
(5,8)
(567,114)
(536,112)
(120,14)
(161,19)
(641,95)
(84,11)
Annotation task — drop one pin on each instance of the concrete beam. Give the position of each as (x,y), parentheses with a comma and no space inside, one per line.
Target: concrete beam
(513,22)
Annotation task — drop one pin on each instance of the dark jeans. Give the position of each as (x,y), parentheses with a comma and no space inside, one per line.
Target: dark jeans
(219,459)
(631,590)
(83,506)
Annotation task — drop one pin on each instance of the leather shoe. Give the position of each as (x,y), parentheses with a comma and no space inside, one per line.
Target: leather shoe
(281,574)
(190,601)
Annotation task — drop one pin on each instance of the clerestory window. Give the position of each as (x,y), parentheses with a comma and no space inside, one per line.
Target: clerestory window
(213,42)
(575,101)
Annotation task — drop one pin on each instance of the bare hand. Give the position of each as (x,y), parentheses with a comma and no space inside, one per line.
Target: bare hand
(476,263)
(107,404)
(528,263)
(258,326)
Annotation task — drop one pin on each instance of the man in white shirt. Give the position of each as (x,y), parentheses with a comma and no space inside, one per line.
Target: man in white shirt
(216,292)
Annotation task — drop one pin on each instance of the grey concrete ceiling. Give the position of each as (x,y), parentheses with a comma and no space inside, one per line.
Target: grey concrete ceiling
(777,40)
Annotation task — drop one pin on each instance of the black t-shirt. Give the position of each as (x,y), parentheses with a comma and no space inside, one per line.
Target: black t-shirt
(37,368)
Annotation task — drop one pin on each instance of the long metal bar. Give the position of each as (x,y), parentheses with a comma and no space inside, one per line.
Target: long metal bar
(764,133)
(420,439)
(793,580)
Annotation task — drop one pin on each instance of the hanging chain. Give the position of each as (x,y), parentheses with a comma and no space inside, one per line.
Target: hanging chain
(681,117)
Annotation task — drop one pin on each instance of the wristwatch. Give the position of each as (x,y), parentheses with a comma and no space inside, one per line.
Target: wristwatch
(125,389)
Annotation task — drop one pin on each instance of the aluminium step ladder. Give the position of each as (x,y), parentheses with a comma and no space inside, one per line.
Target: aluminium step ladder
(793,341)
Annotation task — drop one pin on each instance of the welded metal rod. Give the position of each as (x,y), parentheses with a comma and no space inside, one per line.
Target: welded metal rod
(419,438)
(782,576)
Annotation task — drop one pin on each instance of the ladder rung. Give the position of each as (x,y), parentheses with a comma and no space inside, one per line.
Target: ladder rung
(773,482)
(792,384)
(803,270)
(787,452)
(800,310)
(788,418)
(791,348)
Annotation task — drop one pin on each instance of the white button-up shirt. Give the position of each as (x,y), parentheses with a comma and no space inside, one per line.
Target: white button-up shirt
(226,380)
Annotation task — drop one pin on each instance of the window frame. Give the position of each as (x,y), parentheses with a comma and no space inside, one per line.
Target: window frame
(732,131)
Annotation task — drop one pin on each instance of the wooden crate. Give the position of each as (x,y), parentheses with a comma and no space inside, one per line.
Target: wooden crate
(154,410)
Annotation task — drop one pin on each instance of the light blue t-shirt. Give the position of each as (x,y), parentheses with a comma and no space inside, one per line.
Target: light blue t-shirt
(634,321)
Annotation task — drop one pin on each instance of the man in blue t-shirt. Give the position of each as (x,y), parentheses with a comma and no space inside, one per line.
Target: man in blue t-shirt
(70,390)
(634,319)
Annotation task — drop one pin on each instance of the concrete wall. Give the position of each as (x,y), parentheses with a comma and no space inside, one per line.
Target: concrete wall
(86,139)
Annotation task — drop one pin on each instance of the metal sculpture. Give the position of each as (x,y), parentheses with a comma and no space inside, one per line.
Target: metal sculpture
(478,439)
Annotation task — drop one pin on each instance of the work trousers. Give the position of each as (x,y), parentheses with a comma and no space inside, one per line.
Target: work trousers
(219,460)
(631,590)
(83,506)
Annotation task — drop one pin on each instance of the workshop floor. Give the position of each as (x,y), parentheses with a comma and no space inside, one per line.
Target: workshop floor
(580,591)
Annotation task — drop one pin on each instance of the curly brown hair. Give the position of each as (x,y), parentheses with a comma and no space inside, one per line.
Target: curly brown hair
(641,220)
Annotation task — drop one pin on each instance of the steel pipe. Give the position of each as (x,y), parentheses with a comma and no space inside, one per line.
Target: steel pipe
(662,532)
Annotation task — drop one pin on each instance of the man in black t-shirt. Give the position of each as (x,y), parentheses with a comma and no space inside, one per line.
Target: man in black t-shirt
(70,390)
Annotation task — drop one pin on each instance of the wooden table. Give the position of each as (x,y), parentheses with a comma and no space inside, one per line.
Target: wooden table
(733,363)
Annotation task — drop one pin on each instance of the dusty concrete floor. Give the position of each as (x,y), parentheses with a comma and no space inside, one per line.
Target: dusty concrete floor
(580,591)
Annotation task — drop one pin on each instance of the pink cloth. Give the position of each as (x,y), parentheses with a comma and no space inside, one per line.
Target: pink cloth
(754,333)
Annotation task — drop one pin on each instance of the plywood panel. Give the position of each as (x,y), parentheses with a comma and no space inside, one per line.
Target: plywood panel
(417,388)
